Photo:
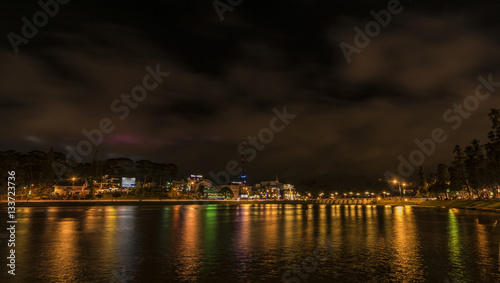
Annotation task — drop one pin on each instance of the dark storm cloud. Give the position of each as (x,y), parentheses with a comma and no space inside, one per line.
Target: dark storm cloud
(353,120)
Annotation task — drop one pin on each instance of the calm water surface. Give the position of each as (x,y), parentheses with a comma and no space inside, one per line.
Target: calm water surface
(254,243)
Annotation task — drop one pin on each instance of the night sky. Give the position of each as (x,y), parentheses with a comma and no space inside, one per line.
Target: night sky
(226,77)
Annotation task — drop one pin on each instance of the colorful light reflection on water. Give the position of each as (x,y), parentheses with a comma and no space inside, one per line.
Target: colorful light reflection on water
(241,243)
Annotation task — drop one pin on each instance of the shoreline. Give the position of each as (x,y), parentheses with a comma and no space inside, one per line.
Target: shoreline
(133,202)
(481,205)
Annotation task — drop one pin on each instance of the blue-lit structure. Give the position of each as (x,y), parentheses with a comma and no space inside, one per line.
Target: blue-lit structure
(243,176)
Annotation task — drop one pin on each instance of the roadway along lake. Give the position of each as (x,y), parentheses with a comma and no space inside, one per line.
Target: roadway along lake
(255,242)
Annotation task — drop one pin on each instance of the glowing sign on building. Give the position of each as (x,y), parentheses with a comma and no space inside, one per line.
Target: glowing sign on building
(128,182)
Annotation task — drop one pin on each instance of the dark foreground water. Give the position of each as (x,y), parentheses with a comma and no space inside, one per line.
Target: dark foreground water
(250,243)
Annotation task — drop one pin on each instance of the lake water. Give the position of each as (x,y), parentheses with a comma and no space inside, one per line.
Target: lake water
(250,243)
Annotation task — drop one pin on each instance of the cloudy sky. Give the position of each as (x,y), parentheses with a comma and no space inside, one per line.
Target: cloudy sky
(226,77)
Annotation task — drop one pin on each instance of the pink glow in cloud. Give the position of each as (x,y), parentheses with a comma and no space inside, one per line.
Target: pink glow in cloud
(134,140)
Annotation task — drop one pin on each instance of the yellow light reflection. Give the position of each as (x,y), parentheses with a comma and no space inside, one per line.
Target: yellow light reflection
(270,234)
(63,252)
(485,262)
(242,244)
(109,231)
(189,250)
(408,255)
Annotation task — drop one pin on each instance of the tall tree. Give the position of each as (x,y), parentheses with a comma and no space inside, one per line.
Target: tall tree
(96,174)
(423,186)
(475,166)
(122,165)
(458,177)
(494,134)
(144,170)
(173,171)
(493,152)
(201,189)
(49,177)
(227,192)
(442,183)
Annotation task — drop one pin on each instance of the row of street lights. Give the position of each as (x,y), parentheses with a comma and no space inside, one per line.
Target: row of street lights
(367,194)
(402,191)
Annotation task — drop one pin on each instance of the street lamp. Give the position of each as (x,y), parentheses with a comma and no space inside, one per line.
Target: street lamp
(399,185)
